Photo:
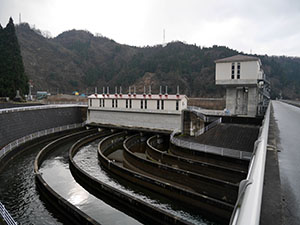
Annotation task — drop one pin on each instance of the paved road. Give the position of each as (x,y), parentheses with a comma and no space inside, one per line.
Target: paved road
(288,121)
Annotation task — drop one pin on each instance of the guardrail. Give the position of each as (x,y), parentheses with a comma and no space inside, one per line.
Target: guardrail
(248,205)
(35,135)
(209,126)
(27,108)
(208,148)
(6,216)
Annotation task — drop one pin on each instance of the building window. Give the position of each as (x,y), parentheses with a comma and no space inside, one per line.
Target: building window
(157,104)
(91,102)
(100,101)
(162,104)
(116,103)
(130,103)
(103,103)
(141,104)
(232,71)
(238,70)
(113,103)
(126,103)
(177,105)
(145,104)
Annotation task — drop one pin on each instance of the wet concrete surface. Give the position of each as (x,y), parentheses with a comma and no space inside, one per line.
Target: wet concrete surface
(86,159)
(55,171)
(287,118)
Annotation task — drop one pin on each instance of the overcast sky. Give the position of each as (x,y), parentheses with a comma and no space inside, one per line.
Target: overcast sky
(264,26)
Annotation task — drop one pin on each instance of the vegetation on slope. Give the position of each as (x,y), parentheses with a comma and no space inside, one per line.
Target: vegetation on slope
(78,60)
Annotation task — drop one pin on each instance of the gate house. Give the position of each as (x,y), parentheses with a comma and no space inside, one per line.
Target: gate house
(247,90)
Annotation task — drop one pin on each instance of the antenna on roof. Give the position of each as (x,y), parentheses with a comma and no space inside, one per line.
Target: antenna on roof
(96,90)
(20,21)
(160,90)
(177,90)
(149,89)
(164,38)
(166,90)
(129,91)
(134,91)
(103,90)
(120,90)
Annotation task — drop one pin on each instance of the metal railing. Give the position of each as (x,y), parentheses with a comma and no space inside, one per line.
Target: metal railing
(6,216)
(208,148)
(248,206)
(85,103)
(37,134)
(209,126)
(28,108)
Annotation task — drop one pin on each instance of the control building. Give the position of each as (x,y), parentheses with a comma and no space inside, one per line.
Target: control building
(247,90)
(160,112)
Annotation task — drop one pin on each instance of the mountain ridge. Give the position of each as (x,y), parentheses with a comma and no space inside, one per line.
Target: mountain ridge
(78,60)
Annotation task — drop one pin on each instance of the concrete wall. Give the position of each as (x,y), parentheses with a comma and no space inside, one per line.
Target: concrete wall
(17,124)
(249,73)
(231,95)
(152,120)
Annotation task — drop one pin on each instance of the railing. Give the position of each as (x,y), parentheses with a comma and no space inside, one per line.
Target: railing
(208,127)
(248,205)
(32,136)
(6,216)
(67,102)
(27,108)
(208,148)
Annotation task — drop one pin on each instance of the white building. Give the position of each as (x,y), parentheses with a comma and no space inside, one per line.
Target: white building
(247,90)
(145,111)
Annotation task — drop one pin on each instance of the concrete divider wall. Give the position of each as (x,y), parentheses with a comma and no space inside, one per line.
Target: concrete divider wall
(210,207)
(143,210)
(17,124)
(219,172)
(68,210)
(214,188)
(210,158)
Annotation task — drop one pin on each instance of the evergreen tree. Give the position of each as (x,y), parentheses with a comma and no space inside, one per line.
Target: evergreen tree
(12,74)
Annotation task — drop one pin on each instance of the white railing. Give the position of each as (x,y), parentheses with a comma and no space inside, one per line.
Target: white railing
(37,134)
(6,216)
(208,127)
(248,206)
(208,148)
(27,108)
(67,102)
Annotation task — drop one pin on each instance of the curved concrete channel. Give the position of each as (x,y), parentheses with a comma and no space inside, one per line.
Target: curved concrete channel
(210,207)
(18,191)
(61,189)
(157,150)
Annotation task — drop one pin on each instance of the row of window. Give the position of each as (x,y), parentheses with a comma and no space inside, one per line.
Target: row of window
(144,105)
(238,74)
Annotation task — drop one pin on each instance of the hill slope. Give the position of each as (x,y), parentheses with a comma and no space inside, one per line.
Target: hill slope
(77,60)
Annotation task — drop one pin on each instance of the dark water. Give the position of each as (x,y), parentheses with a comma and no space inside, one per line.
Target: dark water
(288,121)
(87,160)
(55,171)
(19,194)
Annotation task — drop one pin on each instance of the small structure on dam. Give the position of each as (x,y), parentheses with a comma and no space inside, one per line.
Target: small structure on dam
(161,112)
(247,89)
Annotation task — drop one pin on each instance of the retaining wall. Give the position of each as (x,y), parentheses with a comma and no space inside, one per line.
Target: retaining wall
(19,122)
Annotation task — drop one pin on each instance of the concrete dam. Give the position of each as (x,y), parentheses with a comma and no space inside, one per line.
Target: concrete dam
(56,169)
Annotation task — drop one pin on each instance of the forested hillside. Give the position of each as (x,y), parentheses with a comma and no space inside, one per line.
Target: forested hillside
(12,75)
(78,60)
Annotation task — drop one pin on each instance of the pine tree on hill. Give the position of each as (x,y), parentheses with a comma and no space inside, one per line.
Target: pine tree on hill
(12,74)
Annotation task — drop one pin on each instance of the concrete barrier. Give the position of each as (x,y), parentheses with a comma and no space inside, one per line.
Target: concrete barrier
(207,169)
(212,208)
(138,208)
(66,208)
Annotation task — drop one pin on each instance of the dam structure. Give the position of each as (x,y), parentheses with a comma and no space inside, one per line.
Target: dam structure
(129,158)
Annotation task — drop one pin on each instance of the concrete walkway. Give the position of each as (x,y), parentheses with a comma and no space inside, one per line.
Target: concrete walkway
(288,122)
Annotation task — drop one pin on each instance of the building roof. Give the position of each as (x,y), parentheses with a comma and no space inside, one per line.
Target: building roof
(238,58)
(138,96)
